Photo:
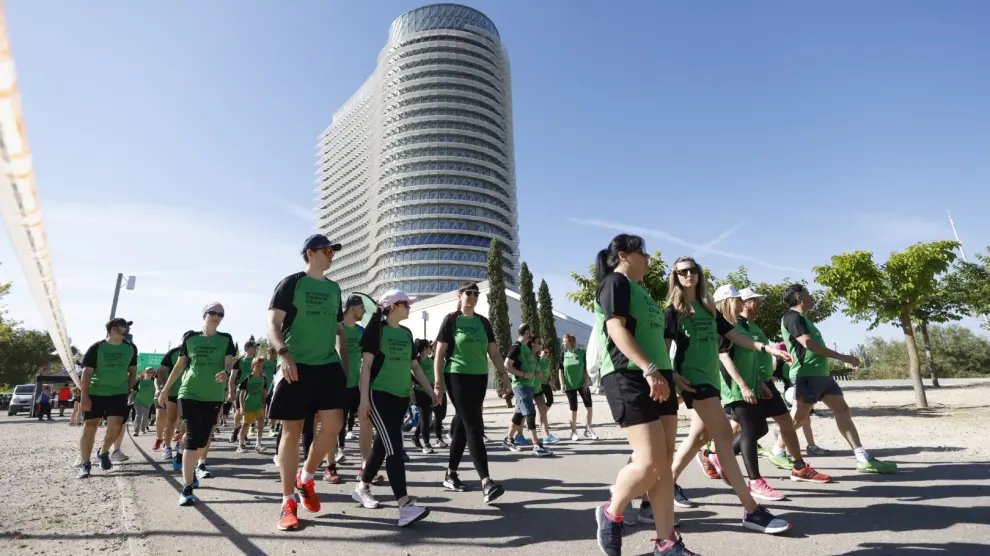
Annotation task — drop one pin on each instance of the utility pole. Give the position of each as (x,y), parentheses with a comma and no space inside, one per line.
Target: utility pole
(116,291)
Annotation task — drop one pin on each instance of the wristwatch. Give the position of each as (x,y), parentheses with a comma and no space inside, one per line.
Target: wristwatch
(283,350)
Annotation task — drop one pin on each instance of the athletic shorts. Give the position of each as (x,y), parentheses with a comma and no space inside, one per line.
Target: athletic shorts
(774,405)
(173,399)
(107,406)
(701,392)
(319,388)
(628,396)
(811,389)
(200,418)
(253,416)
(227,407)
(547,393)
(572,398)
(524,400)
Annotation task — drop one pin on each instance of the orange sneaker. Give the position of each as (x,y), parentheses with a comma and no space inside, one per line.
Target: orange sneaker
(809,475)
(288,520)
(307,491)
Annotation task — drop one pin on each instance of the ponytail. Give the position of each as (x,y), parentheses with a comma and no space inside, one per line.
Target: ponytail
(607,259)
(376,325)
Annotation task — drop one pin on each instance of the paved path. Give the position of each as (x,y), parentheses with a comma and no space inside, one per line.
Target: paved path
(939,503)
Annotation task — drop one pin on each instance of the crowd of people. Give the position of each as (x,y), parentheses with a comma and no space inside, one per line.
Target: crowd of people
(324,373)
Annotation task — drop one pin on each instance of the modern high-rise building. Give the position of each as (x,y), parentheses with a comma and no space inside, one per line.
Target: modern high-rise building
(416,172)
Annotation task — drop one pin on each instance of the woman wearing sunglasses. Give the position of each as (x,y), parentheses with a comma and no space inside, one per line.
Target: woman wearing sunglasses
(639,386)
(389,363)
(693,323)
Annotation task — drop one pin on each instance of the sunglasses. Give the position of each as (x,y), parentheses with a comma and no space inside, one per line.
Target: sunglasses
(471,293)
(687,271)
(215,314)
(402,304)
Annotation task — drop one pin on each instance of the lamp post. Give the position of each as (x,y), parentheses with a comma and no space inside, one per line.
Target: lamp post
(116,291)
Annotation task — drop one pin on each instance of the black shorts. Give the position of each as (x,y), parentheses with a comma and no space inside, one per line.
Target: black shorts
(227,407)
(774,405)
(354,399)
(585,393)
(628,396)
(701,392)
(200,418)
(548,395)
(319,388)
(811,389)
(173,399)
(107,406)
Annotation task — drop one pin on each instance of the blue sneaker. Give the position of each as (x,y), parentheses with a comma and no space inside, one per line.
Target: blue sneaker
(550,439)
(523,441)
(187,498)
(177,462)
(105,463)
(195,483)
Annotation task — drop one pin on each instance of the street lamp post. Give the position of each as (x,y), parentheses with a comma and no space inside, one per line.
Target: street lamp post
(116,291)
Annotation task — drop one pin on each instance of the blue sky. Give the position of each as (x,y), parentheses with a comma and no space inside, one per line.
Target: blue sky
(176,140)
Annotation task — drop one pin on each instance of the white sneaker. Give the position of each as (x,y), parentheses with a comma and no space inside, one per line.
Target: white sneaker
(339,457)
(259,448)
(411,513)
(575,437)
(364,497)
(167,453)
(78,462)
(541,452)
(241,448)
(350,436)
(117,455)
(275,459)
(590,434)
(447,438)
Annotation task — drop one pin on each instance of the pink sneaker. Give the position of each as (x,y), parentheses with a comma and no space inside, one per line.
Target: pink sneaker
(718,468)
(760,489)
(158,444)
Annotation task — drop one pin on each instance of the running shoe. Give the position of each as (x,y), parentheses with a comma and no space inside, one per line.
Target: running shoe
(330,475)
(350,436)
(417,442)
(307,491)
(508,443)
(590,434)
(202,472)
(186,497)
(550,439)
(234,434)
(672,548)
(760,489)
(762,452)
(813,450)
(439,443)
(446,437)
(157,445)
(411,513)
(522,440)
(541,452)
(258,448)
(485,438)
(609,533)
(781,461)
(574,436)
(645,515)
(275,461)
(241,448)
(177,462)
(706,464)
(809,475)
(873,465)
(118,456)
(339,457)
(680,499)
(177,437)
(78,462)
(83,470)
(273,433)
(718,468)
(195,483)
(763,521)
(364,497)
(491,491)
(253,430)
(105,463)
(287,520)
(427,449)
(453,483)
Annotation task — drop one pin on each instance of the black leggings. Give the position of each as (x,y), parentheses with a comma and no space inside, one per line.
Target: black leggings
(350,414)
(467,394)
(308,434)
(753,422)
(439,413)
(200,418)
(572,398)
(425,404)
(387,412)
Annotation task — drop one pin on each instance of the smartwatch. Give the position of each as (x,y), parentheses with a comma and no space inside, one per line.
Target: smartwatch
(283,350)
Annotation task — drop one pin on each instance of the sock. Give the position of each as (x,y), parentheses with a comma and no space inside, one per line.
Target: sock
(202,462)
(799,464)
(305,477)
(287,498)
(862,455)
(777,451)
(609,516)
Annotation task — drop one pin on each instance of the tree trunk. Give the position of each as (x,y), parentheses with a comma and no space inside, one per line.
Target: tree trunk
(928,353)
(920,400)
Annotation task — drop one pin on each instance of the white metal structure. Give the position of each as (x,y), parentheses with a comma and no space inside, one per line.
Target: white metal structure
(416,172)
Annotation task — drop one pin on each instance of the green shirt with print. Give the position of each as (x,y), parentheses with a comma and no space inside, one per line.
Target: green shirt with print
(312,311)
(806,362)
(763,360)
(394,354)
(618,296)
(543,367)
(467,340)
(696,337)
(144,392)
(353,335)
(110,364)
(522,359)
(207,356)
(573,363)
(745,362)
(426,365)
(254,388)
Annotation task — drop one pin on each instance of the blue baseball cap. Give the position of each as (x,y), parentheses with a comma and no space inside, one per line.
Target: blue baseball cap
(319,241)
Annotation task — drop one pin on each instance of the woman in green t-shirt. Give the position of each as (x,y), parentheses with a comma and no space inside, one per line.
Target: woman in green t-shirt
(694,325)
(574,381)
(388,365)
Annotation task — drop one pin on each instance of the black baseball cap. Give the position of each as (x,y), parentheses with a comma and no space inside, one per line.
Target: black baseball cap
(319,241)
(353,301)
(250,344)
(117,322)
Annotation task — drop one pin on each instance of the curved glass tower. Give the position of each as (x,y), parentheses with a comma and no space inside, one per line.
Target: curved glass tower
(416,172)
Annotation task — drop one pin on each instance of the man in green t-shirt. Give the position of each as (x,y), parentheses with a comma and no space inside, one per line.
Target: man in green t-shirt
(242,370)
(521,364)
(812,378)
(109,369)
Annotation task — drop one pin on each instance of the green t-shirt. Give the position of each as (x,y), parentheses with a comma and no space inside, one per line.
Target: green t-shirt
(110,364)
(522,359)
(746,364)
(806,363)
(763,360)
(353,335)
(270,367)
(543,367)
(467,340)
(255,387)
(394,354)
(242,368)
(426,365)
(207,355)
(572,361)
(145,392)
(617,296)
(171,357)
(696,337)
(312,311)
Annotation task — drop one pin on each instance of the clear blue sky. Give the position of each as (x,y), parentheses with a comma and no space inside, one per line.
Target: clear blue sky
(176,140)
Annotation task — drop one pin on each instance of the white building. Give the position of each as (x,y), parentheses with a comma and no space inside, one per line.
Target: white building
(417,171)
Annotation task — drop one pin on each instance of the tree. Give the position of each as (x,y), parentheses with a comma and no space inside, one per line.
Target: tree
(527,299)
(974,290)
(943,305)
(549,332)
(498,314)
(890,292)
(655,282)
(24,355)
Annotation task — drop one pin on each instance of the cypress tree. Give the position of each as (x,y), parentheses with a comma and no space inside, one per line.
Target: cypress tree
(498,313)
(527,300)
(548,333)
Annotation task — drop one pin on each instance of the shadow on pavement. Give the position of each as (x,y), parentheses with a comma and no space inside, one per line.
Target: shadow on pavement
(961,549)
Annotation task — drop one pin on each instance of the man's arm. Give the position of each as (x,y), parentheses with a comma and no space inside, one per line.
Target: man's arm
(814,347)
(275,319)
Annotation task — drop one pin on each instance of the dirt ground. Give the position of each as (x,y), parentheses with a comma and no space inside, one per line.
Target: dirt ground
(939,505)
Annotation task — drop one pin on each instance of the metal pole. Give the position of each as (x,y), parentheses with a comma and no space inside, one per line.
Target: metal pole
(116,295)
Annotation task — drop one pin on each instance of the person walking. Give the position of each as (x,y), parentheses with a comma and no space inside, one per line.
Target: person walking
(143,397)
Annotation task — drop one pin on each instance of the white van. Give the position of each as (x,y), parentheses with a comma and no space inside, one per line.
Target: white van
(22,399)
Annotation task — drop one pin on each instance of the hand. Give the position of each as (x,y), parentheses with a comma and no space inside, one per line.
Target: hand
(222,376)
(852,360)
(438,391)
(659,389)
(780,354)
(364,410)
(682,383)
(747,394)
(288,367)
(765,393)
(86,403)
(436,398)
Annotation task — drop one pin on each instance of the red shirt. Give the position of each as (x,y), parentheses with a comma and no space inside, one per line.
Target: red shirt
(64,394)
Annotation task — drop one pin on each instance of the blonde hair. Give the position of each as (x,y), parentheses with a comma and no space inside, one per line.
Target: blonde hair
(727,307)
(259,360)
(675,294)
(569,338)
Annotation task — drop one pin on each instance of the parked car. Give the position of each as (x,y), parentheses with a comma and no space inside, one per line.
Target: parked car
(22,399)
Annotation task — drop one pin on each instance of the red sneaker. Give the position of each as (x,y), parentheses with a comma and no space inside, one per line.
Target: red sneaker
(809,475)
(706,464)
(178,437)
(307,491)
(330,475)
(158,444)
(718,468)
(288,520)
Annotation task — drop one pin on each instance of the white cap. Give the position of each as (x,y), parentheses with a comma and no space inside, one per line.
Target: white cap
(748,293)
(725,292)
(391,297)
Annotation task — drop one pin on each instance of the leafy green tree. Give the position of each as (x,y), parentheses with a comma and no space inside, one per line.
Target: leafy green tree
(974,290)
(527,299)
(548,332)
(24,355)
(655,282)
(890,292)
(498,314)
